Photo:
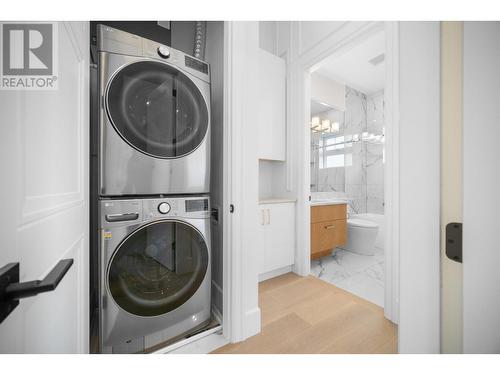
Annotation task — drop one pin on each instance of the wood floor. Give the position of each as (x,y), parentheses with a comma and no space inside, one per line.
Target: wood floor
(308,315)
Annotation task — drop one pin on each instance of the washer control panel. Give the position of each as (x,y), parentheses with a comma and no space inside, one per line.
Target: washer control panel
(164,208)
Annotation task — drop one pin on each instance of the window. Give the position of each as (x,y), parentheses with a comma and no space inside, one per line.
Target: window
(335,151)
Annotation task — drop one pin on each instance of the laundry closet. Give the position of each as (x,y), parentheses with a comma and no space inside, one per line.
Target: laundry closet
(155,189)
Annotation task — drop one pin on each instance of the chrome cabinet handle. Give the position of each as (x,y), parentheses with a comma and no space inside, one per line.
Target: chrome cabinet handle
(329,226)
(122,217)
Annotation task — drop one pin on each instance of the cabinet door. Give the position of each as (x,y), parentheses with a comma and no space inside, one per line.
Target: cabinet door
(326,236)
(279,236)
(271,109)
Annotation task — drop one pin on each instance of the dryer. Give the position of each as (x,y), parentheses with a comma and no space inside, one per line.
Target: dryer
(154,118)
(155,273)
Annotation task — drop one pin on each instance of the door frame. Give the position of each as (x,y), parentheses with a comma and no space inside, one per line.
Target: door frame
(299,92)
(419,323)
(241,313)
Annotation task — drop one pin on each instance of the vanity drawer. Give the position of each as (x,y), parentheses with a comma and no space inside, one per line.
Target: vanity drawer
(328,212)
(327,235)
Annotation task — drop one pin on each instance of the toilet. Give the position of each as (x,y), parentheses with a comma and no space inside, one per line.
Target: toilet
(361,236)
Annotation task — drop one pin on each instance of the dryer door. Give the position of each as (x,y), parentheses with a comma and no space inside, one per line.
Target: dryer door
(157,109)
(158,268)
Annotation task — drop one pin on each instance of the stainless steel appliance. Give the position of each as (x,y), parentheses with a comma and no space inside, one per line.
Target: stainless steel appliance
(155,272)
(154,117)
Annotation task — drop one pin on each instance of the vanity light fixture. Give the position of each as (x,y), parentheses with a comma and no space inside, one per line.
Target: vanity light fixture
(335,127)
(325,125)
(315,122)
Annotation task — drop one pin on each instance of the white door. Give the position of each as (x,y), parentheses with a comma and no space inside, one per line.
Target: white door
(279,236)
(451,181)
(44,197)
(481,225)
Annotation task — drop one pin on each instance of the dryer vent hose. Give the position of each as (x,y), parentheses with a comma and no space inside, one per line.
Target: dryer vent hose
(199,40)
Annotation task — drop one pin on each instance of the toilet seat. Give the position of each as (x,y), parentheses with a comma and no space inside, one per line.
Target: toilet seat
(362,223)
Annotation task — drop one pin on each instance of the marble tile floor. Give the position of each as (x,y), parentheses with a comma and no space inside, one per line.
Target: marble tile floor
(358,274)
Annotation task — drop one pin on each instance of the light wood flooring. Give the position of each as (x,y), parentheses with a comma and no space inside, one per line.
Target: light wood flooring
(308,315)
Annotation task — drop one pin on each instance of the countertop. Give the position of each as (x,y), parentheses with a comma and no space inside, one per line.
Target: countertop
(315,202)
(328,202)
(276,200)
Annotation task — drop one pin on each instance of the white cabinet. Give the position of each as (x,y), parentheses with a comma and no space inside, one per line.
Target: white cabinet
(276,236)
(271,106)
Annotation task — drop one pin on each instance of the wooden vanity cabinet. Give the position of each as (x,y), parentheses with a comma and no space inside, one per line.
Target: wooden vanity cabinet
(328,228)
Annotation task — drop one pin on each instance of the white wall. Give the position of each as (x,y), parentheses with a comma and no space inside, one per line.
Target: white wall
(419,162)
(325,90)
(272,179)
(268,36)
(481,249)
(313,32)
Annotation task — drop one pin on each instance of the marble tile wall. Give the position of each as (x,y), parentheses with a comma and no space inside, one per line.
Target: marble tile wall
(375,155)
(362,179)
(355,123)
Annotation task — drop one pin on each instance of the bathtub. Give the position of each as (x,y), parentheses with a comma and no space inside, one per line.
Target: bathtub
(376,218)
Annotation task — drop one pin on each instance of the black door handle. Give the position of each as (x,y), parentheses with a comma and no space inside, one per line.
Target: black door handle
(11,290)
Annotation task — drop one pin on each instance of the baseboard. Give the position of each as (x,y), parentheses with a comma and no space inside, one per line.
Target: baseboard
(201,343)
(252,322)
(275,273)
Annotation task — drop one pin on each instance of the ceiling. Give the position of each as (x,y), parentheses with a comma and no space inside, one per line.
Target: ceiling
(353,66)
(317,108)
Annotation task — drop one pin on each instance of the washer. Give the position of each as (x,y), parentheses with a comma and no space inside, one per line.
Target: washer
(154,117)
(155,271)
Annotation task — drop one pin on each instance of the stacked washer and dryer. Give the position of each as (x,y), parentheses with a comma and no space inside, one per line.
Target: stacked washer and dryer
(154,178)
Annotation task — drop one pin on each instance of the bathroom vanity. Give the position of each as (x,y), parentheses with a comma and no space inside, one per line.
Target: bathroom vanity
(328,227)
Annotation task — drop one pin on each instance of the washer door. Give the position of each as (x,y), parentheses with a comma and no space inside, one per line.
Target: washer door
(157,109)
(157,268)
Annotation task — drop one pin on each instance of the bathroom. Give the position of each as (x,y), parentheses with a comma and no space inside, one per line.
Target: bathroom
(347,161)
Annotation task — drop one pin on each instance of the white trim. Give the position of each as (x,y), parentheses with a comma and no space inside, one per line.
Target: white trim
(419,187)
(349,35)
(241,317)
(192,339)
(275,273)
(391,176)
(227,248)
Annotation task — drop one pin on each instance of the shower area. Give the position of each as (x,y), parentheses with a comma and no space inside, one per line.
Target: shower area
(347,151)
